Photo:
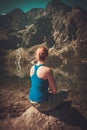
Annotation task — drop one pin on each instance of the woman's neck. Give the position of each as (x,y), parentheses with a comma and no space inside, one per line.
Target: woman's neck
(40,62)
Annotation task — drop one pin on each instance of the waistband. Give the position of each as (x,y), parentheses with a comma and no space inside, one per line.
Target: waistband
(33,102)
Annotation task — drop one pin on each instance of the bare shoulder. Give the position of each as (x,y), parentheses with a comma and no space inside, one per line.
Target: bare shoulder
(44,69)
(43,72)
(47,69)
(49,72)
(31,70)
(32,67)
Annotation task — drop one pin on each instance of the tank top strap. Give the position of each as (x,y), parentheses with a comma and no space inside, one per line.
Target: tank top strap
(36,67)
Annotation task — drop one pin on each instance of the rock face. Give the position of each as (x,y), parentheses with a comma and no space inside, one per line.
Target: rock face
(32,119)
(38,32)
(66,23)
(56,25)
(34,14)
(16,19)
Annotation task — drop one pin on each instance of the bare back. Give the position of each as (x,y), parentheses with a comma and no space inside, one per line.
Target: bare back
(45,73)
(42,72)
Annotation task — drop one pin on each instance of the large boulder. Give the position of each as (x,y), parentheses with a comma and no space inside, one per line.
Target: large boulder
(57,119)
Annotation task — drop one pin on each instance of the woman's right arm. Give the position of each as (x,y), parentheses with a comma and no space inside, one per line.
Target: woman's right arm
(52,83)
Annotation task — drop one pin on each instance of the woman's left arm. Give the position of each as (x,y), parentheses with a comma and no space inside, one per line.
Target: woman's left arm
(52,83)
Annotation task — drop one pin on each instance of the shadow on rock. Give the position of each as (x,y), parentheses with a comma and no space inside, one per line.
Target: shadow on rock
(68,114)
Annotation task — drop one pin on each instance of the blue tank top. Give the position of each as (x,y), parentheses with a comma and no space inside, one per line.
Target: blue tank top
(39,87)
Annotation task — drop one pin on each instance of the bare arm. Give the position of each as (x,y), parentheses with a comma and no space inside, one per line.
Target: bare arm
(52,82)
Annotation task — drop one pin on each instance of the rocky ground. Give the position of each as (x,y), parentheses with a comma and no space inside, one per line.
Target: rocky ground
(13,99)
(16,112)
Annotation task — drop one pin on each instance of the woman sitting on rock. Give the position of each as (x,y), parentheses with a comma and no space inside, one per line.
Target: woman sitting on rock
(42,78)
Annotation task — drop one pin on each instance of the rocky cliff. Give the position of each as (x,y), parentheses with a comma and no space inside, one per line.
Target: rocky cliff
(57,25)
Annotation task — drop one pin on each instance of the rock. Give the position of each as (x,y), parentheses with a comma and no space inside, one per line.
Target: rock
(10,43)
(32,119)
(16,19)
(57,25)
(38,32)
(34,14)
(40,120)
(57,5)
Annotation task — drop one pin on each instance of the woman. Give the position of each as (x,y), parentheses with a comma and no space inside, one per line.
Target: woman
(42,78)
